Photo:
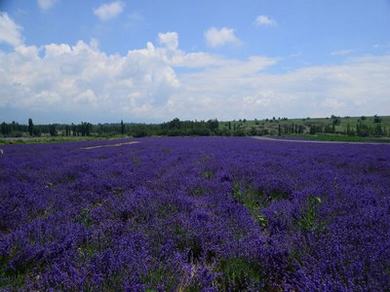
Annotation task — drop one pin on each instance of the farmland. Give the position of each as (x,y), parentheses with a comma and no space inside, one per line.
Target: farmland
(223,213)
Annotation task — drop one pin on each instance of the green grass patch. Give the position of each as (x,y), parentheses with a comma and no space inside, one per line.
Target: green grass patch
(255,200)
(309,220)
(161,276)
(238,274)
(15,277)
(84,218)
(208,174)
(8,277)
(344,138)
(55,139)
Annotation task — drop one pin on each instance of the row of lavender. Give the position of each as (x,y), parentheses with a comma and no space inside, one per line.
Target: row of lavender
(195,213)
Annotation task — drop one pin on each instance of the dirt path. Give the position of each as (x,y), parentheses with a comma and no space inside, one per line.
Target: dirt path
(109,145)
(314,141)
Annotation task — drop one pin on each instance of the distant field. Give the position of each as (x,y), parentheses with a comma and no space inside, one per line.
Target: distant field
(56,139)
(272,124)
(194,213)
(339,138)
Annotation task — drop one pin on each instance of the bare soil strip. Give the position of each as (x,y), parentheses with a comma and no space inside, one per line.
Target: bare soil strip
(316,141)
(110,145)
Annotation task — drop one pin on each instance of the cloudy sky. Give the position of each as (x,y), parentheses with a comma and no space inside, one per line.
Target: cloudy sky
(153,60)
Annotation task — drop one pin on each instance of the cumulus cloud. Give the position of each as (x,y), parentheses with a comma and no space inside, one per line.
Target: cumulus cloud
(108,11)
(81,82)
(216,37)
(81,74)
(355,87)
(169,39)
(264,20)
(10,32)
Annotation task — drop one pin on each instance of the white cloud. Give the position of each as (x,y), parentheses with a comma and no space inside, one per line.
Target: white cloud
(241,89)
(9,31)
(219,37)
(169,39)
(264,20)
(108,11)
(46,4)
(63,80)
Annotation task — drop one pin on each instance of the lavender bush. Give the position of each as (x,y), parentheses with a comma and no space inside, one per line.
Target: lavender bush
(195,214)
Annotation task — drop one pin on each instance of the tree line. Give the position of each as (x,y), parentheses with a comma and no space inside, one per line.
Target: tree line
(177,127)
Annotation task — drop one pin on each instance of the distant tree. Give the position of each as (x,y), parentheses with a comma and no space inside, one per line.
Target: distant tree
(213,125)
(67,130)
(362,130)
(5,129)
(253,131)
(174,124)
(378,130)
(279,130)
(74,130)
(30,127)
(349,130)
(36,132)
(377,119)
(312,130)
(335,120)
(122,128)
(52,130)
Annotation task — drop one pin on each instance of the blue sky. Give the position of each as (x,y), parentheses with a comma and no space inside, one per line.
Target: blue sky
(155,60)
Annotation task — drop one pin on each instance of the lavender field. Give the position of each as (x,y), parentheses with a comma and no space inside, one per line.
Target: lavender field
(195,214)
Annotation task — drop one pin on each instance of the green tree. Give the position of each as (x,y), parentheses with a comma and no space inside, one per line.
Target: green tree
(122,128)
(52,130)
(30,127)
(377,119)
(378,130)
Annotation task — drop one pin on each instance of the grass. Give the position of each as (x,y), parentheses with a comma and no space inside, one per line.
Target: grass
(309,221)
(271,126)
(238,274)
(55,139)
(254,200)
(341,138)
(154,278)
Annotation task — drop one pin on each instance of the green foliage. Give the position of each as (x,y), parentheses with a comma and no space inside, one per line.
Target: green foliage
(160,276)
(84,217)
(208,174)
(253,200)
(376,126)
(52,130)
(239,274)
(10,278)
(14,277)
(309,220)
(30,127)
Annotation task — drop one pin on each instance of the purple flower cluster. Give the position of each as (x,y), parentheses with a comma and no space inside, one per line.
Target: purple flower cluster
(195,214)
